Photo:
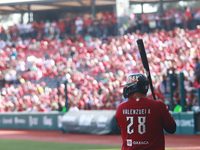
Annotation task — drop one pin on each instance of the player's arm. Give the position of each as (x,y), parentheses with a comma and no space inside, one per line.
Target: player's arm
(168,121)
(171,130)
(117,116)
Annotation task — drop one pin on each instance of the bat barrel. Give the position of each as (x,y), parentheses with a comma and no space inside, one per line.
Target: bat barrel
(145,63)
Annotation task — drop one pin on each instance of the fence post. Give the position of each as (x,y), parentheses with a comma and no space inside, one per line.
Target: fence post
(171,93)
(66,97)
(182,91)
(58,85)
(198,94)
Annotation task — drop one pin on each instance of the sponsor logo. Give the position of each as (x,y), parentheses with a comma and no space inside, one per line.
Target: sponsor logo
(185,123)
(140,142)
(59,119)
(131,79)
(129,142)
(47,121)
(69,118)
(7,121)
(101,121)
(19,121)
(85,120)
(33,121)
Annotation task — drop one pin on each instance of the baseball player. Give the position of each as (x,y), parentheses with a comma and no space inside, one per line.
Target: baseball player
(140,119)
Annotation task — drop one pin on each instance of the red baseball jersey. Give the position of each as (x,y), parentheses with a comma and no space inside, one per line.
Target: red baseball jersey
(141,121)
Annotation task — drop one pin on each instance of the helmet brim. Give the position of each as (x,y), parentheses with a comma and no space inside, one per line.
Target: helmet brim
(128,84)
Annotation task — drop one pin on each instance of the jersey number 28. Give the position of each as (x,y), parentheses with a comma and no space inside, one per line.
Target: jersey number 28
(141,125)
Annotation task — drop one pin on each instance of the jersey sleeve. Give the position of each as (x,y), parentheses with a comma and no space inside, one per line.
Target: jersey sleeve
(167,119)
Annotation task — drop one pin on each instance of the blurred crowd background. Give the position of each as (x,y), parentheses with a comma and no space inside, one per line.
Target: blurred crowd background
(93,56)
(103,25)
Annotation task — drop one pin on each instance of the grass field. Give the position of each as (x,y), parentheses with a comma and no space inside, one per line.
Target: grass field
(33,145)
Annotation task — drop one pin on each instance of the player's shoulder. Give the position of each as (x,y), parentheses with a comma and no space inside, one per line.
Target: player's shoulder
(122,105)
(160,104)
(156,102)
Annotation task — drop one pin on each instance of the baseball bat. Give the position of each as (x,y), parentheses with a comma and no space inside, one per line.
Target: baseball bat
(145,64)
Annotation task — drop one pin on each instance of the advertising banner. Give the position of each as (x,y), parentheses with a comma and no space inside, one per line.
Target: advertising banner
(87,122)
(197,122)
(90,122)
(40,121)
(186,123)
(176,117)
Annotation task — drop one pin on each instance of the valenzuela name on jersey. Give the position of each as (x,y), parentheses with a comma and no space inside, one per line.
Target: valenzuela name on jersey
(136,111)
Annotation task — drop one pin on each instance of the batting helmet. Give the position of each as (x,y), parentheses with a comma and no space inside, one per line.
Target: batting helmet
(135,83)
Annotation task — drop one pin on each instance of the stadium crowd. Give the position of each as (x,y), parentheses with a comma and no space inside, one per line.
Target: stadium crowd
(103,25)
(94,69)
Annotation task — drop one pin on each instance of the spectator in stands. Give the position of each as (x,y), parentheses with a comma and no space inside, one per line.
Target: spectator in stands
(100,60)
(2,44)
(187,18)
(68,25)
(2,79)
(174,78)
(73,108)
(158,21)
(197,69)
(190,100)
(79,26)
(96,25)
(61,26)
(2,33)
(47,28)
(123,29)
(197,17)
(21,29)
(87,37)
(164,85)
